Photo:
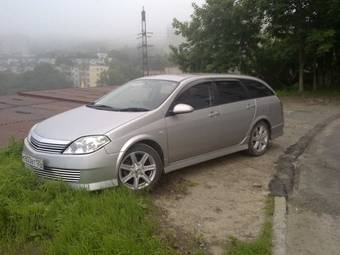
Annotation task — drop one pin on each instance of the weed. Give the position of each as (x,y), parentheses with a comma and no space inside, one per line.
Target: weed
(263,244)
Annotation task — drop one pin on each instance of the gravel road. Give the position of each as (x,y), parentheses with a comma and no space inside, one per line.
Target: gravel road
(225,197)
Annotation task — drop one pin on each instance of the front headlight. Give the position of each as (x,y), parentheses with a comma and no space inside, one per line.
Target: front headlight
(87,144)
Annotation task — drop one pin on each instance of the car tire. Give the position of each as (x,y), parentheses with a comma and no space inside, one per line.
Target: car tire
(259,139)
(141,168)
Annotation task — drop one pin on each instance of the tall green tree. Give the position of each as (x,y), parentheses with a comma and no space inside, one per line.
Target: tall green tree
(323,43)
(223,35)
(282,41)
(292,20)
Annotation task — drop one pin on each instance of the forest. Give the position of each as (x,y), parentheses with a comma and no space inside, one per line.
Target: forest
(292,44)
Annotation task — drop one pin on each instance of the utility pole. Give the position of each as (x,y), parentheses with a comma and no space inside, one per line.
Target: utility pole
(144,35)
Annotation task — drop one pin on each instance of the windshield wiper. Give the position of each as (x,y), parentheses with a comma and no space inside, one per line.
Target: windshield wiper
(102,107)
(110,108)
(134,109)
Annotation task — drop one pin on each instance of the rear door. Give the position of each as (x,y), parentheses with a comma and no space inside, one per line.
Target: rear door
(267,103)
(195,133)
(236,109)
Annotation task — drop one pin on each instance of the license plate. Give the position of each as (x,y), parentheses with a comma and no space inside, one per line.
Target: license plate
(33,162)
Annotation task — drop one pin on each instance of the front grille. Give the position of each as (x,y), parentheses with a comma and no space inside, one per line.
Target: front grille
(47,147)
(66,175)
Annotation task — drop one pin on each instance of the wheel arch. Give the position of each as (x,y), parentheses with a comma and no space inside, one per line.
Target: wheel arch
(145,139)
(265,120)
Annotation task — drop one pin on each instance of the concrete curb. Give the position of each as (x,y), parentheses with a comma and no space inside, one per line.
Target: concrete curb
(279,226)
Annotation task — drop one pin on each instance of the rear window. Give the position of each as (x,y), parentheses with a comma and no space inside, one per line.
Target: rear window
(230,91)
(257,89)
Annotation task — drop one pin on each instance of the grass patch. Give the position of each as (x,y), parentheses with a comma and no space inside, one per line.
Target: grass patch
(323,93)
(45,217)
(263,244)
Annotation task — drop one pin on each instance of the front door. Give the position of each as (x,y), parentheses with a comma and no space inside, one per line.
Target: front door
(194,133)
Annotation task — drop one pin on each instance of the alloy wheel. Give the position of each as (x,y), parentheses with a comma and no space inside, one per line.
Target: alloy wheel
(137,170)
(260,138)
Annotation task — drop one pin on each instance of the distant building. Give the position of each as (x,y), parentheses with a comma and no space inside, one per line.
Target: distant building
(172,70)
(50,61)
(87,76)
(155,72)
(79,76)
(102,58)
(166,70)
(95,72)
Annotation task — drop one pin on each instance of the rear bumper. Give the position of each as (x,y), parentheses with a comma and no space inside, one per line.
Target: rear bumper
(92,171)
(277,131)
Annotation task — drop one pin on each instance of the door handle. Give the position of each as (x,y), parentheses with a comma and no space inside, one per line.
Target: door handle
(213,114)
(250,106)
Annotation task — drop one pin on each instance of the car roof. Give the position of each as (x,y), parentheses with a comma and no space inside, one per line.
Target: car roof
(182,77)
(169,77)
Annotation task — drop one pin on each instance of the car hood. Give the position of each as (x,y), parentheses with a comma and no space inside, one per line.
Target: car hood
(82,121)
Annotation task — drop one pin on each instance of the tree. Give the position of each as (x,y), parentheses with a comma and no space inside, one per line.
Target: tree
(282,41)
(320,43)
(118,74)
(43,76)
(323,43)
(292,20)
(123,67)
(222,36)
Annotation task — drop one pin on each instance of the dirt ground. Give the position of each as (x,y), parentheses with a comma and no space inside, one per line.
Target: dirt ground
(225,197)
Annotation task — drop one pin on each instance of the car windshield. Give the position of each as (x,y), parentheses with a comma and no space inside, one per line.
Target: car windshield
(137,95)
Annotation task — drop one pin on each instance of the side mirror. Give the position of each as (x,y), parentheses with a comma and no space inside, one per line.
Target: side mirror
(182,108)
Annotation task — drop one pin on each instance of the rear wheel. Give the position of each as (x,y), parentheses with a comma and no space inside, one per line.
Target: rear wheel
(259,139)
(140,168)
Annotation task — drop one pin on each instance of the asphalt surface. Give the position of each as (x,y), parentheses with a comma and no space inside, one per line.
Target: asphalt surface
(18,113)
(313,225)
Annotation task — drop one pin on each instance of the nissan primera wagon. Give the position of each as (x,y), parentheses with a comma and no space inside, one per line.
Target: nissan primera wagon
(154,125)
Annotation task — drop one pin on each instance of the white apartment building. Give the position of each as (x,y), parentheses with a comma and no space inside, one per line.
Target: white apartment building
(87,76)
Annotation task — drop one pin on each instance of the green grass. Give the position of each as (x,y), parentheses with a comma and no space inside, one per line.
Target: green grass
(45,217)
(328,93)
(263,244)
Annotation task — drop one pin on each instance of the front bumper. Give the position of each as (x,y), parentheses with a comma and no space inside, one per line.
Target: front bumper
(91,171)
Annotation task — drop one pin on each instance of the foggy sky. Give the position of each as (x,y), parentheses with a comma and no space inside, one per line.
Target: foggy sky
(90,19)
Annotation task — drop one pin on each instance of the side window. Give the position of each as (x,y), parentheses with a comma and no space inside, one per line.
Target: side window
(257,89)
(230,91)
(198,96)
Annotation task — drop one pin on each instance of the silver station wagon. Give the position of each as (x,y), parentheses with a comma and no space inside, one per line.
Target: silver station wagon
(154,125)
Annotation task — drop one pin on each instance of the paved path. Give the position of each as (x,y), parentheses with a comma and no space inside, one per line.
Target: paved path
(314,208)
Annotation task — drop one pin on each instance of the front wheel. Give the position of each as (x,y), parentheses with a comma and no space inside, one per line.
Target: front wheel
(259,139)
(140,168)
